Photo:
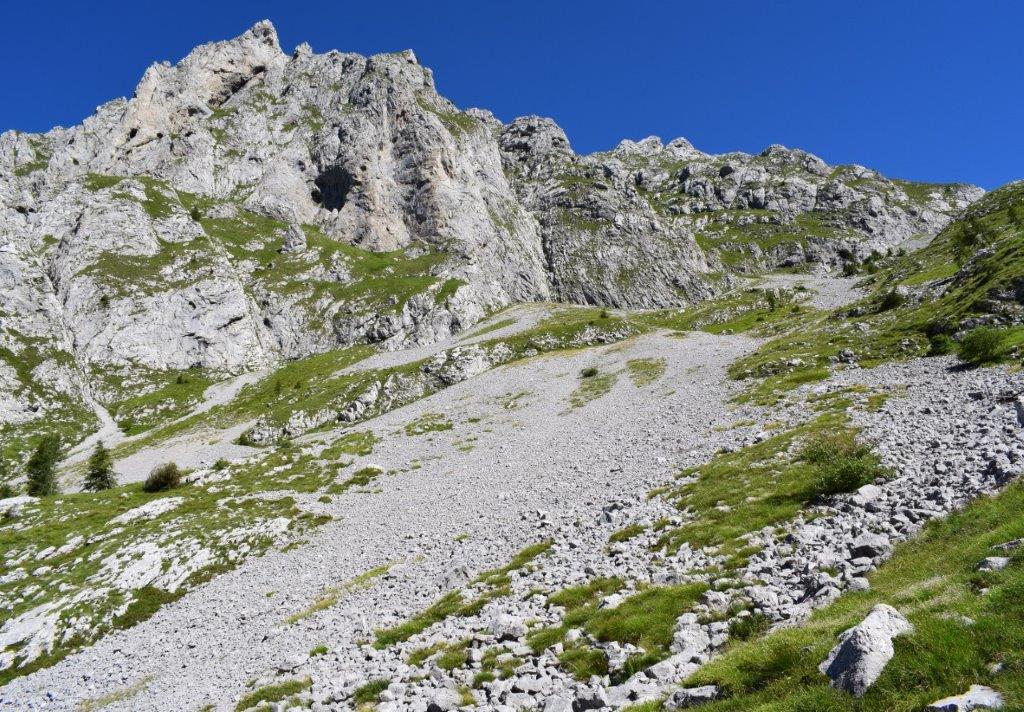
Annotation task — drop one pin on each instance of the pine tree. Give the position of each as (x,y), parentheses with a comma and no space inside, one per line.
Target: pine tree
(42,478)
(6,488)
(101,470)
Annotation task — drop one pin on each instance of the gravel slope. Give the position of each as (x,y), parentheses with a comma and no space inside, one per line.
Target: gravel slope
(537,455)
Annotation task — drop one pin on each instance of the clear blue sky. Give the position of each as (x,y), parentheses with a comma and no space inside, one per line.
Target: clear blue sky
(926,90)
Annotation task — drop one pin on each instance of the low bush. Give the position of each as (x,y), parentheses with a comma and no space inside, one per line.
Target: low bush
(981,346)
(892,300)
(588,372)
(940,345)
(752,626)
(841,463)
(162,478)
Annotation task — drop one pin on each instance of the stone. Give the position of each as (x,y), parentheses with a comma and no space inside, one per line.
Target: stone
(976,698)
(993,563)
(558,703)
(443,700)
(506,627)
(870,545)
(864,650)
(591,698)
(690,697)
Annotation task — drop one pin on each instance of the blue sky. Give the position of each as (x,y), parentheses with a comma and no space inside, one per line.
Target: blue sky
(925,90)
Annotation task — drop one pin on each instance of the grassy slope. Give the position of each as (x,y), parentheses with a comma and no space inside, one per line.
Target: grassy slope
(876,335)
(931,580)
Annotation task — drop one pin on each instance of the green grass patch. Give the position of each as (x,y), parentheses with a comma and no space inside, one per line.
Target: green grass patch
(592,386)
(369,693)
(743,491)
(645,371)
(275,692)
(362,477)
(626,533)
(332,595)
(452,604)
(428,423)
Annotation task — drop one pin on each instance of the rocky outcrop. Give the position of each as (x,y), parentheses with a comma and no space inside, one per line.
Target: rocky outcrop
(604,241)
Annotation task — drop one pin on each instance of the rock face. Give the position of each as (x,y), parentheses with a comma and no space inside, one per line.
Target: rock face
(247,205)
(864,650)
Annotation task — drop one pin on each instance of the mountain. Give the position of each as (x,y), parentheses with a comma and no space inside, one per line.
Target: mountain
(405,408)
(247,206)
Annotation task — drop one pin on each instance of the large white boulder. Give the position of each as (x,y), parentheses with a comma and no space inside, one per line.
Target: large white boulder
(864,650)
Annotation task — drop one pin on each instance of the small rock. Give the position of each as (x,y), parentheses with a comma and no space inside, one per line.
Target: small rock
(993,563)
(977,697)
(689,697)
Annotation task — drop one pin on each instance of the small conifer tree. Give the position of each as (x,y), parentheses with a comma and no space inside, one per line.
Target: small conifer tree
(41,467)
(101,470)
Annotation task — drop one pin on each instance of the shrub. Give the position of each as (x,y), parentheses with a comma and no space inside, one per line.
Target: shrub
(100,475)
(7,490)
(1017,215)
(42,478)
(938,326)
(221,464)
(588,372)
(982,345)
(162,478)
(841,464)
(892,300)
(752,626)
(940,345)
(604,313)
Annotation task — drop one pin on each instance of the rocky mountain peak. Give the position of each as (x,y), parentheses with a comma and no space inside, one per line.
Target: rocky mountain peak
(247,205)
(168,96)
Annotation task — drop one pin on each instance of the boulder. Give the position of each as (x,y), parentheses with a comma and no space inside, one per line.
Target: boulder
(592,698)
(870,545)
(993,563)
(443,700)
(557,703)
(689,697)
(976,698)
(506,627)
(864,650)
